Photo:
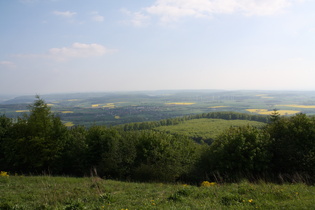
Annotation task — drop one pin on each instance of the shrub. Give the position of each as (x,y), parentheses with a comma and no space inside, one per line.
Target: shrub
(293,145)
(239,152)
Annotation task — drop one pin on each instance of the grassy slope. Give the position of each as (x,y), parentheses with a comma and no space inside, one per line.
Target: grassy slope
(206,128)
(94,193)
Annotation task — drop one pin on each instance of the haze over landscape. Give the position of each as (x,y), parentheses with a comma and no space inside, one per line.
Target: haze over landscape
(55,46)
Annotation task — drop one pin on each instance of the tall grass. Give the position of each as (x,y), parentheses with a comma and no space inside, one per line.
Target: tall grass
(46,192)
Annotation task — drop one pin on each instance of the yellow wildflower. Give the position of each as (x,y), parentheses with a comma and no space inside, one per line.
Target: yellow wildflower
(3,173)
(208,184)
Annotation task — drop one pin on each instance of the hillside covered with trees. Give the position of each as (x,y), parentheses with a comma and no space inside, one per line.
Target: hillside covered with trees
(38,142)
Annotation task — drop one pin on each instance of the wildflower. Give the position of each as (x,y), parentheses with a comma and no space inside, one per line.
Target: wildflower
(250,200)
(207,184)
(3,173)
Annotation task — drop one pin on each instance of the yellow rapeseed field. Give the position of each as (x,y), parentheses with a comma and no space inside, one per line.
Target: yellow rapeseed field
(266,112)
(22,111)
(299,106)
(69,124)
(95,105)
(66,112)
(179,103)
(117,117)
(109,105)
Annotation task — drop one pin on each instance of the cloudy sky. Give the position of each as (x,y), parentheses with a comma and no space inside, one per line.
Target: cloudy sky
(54,46)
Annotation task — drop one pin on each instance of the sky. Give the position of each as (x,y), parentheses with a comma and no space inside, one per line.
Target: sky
(66,46)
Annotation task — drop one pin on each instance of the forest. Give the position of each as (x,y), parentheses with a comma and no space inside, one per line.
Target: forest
(39,143)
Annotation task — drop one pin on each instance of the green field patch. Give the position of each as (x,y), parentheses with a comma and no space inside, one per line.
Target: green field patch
(206,129)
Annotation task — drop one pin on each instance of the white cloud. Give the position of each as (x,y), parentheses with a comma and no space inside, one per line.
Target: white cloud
(96,17)
(266,7)
(66,14)
(7,64)
(172,10)
(137,19)
(76,50)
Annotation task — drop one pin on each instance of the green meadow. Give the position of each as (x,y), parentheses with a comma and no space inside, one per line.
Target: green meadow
(46,192)
(205,129)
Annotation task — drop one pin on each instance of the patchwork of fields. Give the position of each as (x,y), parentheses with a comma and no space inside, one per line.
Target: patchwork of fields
(120,108)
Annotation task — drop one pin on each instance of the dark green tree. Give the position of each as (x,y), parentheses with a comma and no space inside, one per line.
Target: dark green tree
(38,140)
(293,145)
(101,141)
(74,154)
(5,126)
(239,152)
(275,116)
(164,157)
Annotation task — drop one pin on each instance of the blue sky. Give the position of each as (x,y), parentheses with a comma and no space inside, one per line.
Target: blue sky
(61,46)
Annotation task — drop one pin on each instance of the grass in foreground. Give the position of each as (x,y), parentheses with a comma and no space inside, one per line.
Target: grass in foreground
(95,193)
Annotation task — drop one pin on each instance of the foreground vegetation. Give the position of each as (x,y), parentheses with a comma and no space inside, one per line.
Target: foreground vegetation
(44,192)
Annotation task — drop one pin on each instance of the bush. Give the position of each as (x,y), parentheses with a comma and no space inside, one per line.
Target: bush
(239,152)
(293,145)
(164,157)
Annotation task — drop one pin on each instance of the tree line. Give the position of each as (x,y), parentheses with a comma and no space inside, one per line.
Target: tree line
(39,143)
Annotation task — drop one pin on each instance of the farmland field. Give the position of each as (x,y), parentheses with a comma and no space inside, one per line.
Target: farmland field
(268,112)
(300,106)
(103,108)
(206,129)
